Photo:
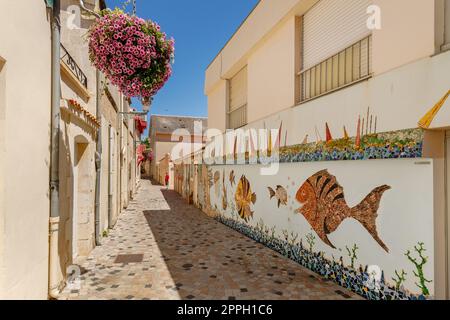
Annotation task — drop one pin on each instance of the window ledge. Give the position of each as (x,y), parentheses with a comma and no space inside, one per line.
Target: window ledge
(74,82)
(336,89)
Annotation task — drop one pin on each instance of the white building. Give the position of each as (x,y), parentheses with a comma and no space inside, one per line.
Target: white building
(26,270)
(300,65)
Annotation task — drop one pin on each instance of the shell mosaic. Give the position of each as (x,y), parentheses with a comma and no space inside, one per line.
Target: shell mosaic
(358,281)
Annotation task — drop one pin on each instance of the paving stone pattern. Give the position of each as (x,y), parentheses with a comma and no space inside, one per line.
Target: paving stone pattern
(163,248)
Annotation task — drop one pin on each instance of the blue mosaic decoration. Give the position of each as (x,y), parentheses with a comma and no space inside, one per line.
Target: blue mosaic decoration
(357,281)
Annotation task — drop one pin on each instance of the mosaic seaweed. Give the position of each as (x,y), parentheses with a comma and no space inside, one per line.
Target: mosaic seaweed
(358,280)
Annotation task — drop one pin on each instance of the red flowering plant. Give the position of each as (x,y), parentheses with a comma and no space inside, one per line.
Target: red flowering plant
(133,53)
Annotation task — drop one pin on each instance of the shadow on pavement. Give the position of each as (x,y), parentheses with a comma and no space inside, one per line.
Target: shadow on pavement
(207,260)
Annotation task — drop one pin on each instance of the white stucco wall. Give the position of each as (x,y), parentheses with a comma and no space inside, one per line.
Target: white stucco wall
(24,145)
(405,215)
(266,43)
(218,106)
(407,33)
(256,29)
(271,74)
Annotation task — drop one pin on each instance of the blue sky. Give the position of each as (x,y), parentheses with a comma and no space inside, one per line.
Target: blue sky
(200,29)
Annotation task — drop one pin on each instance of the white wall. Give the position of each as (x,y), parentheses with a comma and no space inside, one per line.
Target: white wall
(271,74)
(266,43)
(24,126)
(218,106)
(253,31)
(405,215)
(406,35)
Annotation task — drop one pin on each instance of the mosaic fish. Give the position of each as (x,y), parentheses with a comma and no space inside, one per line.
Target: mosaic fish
(324,206)
(224,193)
(217,183)
(280,194)
(209,178)
(232,178)
(244,197)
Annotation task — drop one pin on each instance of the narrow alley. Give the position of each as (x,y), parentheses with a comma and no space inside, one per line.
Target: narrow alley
(163,249)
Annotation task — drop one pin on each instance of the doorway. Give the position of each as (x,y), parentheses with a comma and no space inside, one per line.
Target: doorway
(81,199)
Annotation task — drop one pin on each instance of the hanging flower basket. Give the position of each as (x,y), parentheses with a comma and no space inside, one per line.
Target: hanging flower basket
(134,54)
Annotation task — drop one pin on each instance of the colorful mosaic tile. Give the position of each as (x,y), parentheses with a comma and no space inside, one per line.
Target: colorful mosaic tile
(402,144)
(358,281)
(389,145)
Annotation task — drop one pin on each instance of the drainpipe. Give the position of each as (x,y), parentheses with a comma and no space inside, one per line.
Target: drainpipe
(98,153)
(121,162)
(54,283)
(110,176)
(98,163)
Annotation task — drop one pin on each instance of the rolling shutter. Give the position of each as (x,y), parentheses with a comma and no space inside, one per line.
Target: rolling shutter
(331,26)
(238,90)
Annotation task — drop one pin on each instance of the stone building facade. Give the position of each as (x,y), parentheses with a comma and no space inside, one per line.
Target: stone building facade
(24,176)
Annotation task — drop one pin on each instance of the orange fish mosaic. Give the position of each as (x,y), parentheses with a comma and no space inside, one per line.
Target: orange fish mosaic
(244,197)
(224,193)
(324,206)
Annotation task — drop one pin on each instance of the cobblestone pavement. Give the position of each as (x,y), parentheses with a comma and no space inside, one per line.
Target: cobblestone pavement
(162,248)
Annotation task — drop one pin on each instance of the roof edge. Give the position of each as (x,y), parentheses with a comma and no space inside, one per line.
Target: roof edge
(235,32)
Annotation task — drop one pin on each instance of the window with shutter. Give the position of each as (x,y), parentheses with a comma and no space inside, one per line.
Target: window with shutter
(447,25)
(336,46)
(237,112)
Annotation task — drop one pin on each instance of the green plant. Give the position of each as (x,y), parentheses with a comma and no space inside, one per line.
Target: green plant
(105,233)
(146,142)
(419,249)
(400,278)
(311,239)
(294,237)
(352,255)
(286,235)
(272,232)
(260,226)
